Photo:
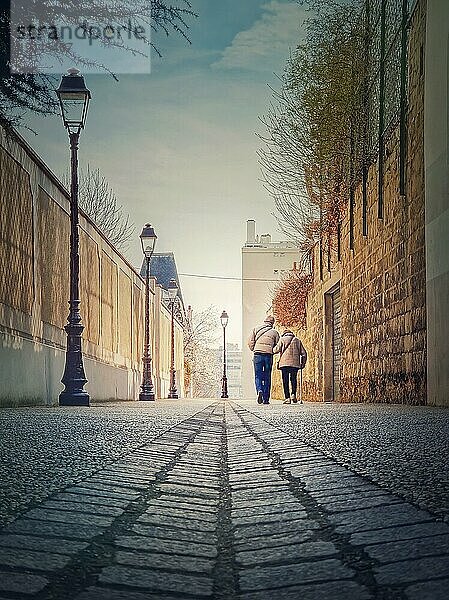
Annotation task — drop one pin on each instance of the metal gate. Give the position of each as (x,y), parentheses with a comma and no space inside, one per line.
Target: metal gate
(336,344)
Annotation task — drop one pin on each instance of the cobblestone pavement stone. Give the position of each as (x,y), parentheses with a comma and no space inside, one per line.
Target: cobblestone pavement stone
(224,505)
(403,448)
(45,449)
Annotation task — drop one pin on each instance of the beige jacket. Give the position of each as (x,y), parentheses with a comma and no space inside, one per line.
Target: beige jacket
(293,353)
(263,339)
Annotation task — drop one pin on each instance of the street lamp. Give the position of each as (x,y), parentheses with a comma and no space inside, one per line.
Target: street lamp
(74,100)
(172,293)
(148,240)
(224,382)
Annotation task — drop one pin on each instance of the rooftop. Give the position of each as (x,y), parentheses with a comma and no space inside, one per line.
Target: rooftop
(163,269)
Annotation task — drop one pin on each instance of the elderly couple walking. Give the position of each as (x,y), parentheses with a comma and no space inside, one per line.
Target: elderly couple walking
(264,342)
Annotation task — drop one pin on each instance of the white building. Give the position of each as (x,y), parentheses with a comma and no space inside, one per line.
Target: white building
(263,264)
(233,369)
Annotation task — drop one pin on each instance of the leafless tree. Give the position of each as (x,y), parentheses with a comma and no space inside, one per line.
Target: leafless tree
(308,140)
(283,159)
(203,369)
(98,200)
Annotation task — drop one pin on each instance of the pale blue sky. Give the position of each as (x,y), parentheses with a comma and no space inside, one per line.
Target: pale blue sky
(179,145)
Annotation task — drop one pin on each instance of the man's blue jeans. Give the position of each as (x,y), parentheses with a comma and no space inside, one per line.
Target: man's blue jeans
(263,363)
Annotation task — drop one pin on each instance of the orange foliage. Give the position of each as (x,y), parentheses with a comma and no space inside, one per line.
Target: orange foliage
(289,303)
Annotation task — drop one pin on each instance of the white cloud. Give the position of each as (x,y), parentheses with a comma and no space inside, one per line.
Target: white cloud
(265,46)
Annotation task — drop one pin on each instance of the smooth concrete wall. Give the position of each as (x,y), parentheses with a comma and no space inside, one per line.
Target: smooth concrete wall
(436,149)
(30,371)
(31,374)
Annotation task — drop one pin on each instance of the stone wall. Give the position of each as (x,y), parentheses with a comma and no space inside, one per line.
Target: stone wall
(34,293)
(382,279)
(313,336)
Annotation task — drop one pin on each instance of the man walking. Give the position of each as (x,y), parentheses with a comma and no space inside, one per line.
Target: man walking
(262,341)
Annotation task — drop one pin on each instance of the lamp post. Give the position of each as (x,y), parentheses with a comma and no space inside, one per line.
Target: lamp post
(74,100)
(224,382)
(148,239)
(172,293)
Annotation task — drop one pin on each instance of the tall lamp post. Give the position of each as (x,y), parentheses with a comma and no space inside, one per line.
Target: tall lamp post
(148,239)
(74,100)
(172,293)
(224,382)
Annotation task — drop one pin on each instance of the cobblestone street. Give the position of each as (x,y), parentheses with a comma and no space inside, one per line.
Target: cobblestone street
(224,500)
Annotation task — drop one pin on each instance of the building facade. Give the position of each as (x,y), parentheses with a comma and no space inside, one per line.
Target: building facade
(233,369)
(162,270)
(34,293)
(263,264)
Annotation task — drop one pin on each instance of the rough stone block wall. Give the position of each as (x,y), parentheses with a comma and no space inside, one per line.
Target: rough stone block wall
(313,335)
(382,278)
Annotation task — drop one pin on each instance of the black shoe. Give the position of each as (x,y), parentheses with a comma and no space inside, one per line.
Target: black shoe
(259,398)
(267,402)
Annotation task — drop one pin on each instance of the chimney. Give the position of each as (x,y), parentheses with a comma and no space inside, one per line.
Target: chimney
(251,231)
(265,238)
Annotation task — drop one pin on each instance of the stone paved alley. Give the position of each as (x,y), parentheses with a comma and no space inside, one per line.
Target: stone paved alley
(224,500)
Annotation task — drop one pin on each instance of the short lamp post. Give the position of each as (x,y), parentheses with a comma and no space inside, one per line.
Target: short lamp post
(148,239)
(172,293)
(74,100)
(224,382)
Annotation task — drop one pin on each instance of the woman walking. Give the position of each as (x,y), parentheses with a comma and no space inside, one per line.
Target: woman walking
(293,357)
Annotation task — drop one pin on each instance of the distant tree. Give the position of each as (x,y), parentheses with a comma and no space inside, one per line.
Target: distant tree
(36,92)
(98,200)
(203,370)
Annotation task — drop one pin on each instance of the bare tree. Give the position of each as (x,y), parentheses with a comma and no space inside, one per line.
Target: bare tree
(203,369)
(98,200)
(33,91)
(309,142)
(283,159)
